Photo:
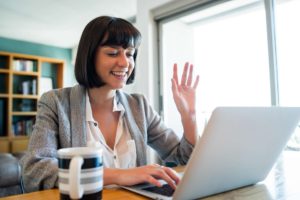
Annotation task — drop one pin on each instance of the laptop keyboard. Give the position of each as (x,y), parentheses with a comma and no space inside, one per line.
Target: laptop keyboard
(165,190)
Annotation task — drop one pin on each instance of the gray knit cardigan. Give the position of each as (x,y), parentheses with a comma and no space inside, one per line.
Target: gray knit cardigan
(60,123)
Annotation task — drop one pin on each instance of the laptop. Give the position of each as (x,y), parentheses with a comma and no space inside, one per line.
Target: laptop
(238,147)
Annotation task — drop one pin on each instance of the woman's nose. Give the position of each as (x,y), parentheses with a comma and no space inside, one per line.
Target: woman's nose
(123,60)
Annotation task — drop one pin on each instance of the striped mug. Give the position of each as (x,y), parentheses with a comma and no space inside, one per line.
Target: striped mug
(80,174)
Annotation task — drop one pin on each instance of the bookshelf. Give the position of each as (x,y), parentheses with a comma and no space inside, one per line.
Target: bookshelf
(22,81)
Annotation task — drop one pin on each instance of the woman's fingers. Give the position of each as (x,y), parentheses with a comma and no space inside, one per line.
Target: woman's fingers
(173,174)
(196,82)
(175,73)
(152,174)
(174,88)
(184,74)
(167,175)
(186,77)
(153,181)
(190,78)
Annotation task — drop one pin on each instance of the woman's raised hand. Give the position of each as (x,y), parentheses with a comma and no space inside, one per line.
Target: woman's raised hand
(184,93)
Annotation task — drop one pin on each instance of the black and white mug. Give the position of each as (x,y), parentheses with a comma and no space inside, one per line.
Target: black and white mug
(80,173)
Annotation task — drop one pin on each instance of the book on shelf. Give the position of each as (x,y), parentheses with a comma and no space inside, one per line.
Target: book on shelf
(23,127)
(33,87)
(2,118)
(25,87)
(26,105)
(23,65)
(28,87)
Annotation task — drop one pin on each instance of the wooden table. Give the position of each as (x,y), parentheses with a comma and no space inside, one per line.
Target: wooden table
(283,183)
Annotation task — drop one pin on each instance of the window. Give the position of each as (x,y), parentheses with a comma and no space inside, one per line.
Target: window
(228,44)
(288,43)
(288,48)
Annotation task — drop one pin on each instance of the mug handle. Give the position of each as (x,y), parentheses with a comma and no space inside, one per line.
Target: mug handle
(76,191)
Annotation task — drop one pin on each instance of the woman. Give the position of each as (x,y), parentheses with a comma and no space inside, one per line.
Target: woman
(97,110)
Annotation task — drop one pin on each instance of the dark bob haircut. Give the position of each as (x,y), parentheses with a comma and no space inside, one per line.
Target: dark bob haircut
(104,30)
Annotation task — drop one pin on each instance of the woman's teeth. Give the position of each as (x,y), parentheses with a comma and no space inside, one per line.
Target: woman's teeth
(119,73)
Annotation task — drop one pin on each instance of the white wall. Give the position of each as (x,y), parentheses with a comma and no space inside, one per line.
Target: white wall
(146,70)
(177,43)
(147,59)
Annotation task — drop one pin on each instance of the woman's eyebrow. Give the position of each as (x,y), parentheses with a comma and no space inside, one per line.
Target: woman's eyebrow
(119,47)
(111,46)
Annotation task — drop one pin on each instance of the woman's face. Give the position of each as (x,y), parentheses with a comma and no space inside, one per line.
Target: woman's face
(114,65)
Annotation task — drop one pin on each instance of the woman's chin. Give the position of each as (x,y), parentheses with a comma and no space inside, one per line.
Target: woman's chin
(117,87)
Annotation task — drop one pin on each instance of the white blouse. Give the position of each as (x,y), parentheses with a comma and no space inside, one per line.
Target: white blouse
(123,155)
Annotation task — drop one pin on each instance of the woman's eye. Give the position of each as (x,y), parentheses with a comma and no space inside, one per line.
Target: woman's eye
(130,54)
(112,54)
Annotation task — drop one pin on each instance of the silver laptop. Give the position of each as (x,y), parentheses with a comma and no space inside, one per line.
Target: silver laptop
(238,147)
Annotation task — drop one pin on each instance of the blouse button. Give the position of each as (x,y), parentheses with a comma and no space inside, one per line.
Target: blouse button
(95,124)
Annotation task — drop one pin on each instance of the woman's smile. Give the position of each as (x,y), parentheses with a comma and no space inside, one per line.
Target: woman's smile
(121,75)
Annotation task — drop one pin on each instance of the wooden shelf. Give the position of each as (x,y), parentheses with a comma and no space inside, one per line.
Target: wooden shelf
(23,113)
(22,96)
(20,137)
(4,70)
(25,73)
(4,95)
(21,73)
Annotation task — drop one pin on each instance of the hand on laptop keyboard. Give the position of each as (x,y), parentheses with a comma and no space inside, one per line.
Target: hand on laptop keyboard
(150,173)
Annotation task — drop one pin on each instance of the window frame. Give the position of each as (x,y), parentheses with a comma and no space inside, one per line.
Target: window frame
(179,9)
